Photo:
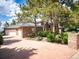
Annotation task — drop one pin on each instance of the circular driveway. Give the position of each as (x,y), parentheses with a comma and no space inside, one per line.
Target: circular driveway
(15,48)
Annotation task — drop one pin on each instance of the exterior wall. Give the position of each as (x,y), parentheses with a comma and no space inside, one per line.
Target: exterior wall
(30,30)
(22,31)
(9,31)
(18,32)
(39,29)
(27,31)
(73,40)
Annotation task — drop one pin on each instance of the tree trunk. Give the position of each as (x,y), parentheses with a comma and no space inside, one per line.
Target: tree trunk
(51,26)
(56,27)
(43,24)
(43,27)
(52,23)
(35,26)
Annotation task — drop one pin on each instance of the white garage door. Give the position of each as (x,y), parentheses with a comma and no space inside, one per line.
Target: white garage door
(12,33)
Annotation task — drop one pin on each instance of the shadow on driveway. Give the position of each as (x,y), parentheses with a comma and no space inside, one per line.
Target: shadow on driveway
(7,42)
(6,53)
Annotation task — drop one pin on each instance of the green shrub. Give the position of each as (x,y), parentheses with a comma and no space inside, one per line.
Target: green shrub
(58,38)
(43,33)
(1,40)
(51,37)
(64,37)
(39,38)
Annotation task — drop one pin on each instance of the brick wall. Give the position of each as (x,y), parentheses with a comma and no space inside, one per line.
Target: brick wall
(26,31)
(73,40)
(23,31)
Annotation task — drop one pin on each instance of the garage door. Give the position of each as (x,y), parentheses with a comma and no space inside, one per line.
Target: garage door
(12,33)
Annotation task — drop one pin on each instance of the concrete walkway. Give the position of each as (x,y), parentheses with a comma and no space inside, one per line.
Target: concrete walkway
(15,48)
(76,56)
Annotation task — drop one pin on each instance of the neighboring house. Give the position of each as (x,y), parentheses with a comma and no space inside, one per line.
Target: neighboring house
(22,29)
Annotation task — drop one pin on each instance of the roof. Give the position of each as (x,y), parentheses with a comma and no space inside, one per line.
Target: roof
(23,24)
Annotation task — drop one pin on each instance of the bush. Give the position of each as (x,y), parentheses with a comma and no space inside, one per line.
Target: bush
(39,38)
(43,33)
(1,40)
(58,38)
(64,37)
(51,37)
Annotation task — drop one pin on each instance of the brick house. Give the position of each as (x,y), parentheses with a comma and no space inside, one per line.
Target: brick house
(22,29)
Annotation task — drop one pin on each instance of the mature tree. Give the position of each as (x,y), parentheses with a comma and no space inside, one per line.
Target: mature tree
(55,13)
(68,3)
(73,17)
(19,17)
(31,10)
(50,10)
(6,24)
(75,14)
(22,17)
(13,22)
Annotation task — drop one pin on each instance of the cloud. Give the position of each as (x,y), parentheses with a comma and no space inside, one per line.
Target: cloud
(11,19)
(8,7)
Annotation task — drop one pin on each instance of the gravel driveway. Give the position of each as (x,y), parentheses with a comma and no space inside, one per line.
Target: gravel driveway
(15,48)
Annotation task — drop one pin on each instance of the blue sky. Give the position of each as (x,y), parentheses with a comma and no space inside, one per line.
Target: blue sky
(8,9)
(20,1)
